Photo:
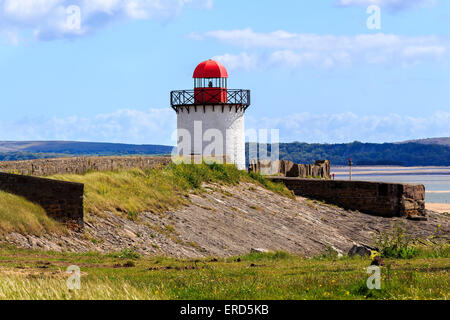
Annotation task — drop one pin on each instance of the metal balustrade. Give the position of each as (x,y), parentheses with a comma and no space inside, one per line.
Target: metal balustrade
(200,97)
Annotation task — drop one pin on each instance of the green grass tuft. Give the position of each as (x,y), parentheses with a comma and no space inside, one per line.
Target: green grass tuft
(269,185)
(22,216)
(125,254)
(397,244)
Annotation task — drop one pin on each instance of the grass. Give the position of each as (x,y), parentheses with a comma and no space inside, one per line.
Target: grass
(26,274)
(157,190)
(19,215)
(37,275)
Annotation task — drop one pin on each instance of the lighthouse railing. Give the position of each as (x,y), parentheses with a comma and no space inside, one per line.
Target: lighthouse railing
(190,97)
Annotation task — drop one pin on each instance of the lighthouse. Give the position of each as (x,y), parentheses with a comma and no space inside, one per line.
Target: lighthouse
(210,118)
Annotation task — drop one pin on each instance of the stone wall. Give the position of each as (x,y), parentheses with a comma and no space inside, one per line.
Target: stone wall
(377,198)
(80,165)
(62,200)
(321,169)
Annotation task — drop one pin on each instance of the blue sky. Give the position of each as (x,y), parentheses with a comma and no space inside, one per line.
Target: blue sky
(316,71)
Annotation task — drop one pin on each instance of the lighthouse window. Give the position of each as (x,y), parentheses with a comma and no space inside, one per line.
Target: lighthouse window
(210,83)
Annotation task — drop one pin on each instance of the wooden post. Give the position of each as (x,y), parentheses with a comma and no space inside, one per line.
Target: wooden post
(350,164)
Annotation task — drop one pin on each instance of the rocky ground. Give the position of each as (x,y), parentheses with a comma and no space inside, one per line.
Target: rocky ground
(230,220)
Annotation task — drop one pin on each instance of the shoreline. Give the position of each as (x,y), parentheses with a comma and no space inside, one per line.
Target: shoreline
(438,207)
(365,171)
(390,167)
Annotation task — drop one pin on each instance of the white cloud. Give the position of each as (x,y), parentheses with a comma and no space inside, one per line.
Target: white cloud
(415,51)
(240,61)
(392,5)
(348,127)
(48,19)
(298,49)
(154,126)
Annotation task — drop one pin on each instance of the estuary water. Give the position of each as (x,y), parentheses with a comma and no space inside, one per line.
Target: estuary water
(435,179)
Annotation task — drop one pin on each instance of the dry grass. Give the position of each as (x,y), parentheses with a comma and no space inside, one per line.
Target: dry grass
(48,288)
(21,216)
(129,192)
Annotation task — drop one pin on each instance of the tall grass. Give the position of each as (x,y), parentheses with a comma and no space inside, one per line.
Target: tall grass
(21,216)
(35,287)
(129,192)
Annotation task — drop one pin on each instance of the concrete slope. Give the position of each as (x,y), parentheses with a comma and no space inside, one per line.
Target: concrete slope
(230,220)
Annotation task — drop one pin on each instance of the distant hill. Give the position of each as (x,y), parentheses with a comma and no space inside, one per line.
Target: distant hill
(14,150)
(439,141)
(404,154)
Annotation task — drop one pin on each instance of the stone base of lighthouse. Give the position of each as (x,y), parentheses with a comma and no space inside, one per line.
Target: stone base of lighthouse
(212,132)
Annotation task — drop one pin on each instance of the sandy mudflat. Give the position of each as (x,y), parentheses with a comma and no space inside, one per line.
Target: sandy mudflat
(438,207)
(395,167)
(394,170)
(440,191)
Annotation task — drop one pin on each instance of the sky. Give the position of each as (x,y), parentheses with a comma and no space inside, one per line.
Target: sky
(324,71)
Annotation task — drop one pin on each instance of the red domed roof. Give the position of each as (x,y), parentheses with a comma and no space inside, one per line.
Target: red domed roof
(210,69)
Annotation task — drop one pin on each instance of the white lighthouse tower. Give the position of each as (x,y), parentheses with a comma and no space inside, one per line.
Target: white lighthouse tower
(210,118)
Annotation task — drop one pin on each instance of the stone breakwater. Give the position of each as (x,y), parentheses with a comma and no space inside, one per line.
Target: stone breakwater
(249,217)
(81,165)
(377,198)
(321,169)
